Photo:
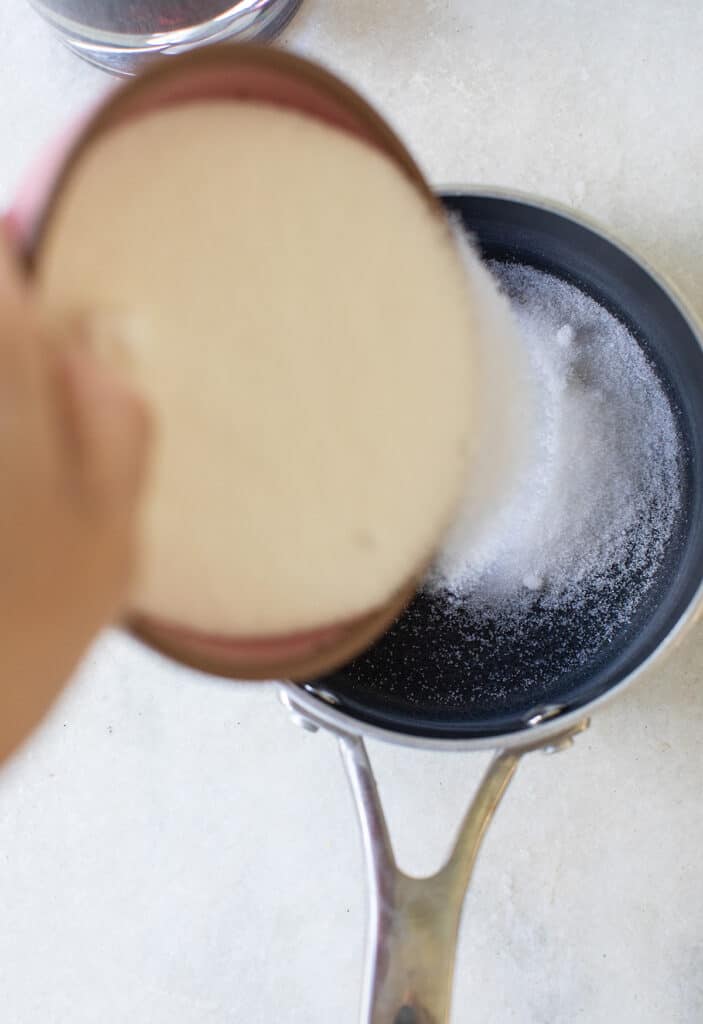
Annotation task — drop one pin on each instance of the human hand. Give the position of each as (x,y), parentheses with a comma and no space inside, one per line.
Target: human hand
(73,446)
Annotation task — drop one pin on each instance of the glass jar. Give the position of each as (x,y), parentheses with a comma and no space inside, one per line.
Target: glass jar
(122,35)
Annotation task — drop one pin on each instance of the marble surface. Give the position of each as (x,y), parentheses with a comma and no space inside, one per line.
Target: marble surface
(172,849)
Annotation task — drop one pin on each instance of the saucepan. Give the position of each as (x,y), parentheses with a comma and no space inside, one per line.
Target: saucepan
(398,691)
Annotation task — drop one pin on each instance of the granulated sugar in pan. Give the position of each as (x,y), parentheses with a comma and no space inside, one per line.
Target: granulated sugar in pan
(567,563)
(601,487)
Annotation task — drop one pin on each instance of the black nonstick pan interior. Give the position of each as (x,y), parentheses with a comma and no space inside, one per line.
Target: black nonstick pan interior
(435,673)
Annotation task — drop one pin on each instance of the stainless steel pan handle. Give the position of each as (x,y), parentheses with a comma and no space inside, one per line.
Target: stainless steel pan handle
(414,922)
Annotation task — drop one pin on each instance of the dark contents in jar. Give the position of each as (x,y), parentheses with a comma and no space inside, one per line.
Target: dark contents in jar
(140,17)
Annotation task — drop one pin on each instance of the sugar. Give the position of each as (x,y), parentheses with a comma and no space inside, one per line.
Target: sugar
(509,419)
(563,555)
(565,335)
(600,489)
(506,420)
(532,581)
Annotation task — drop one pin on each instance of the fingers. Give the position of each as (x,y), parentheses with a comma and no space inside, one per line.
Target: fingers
(61,411)
(13,286)
(15,312)
(111,430)
(26,434)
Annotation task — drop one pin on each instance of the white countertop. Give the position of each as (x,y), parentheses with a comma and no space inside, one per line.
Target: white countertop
(172,849)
